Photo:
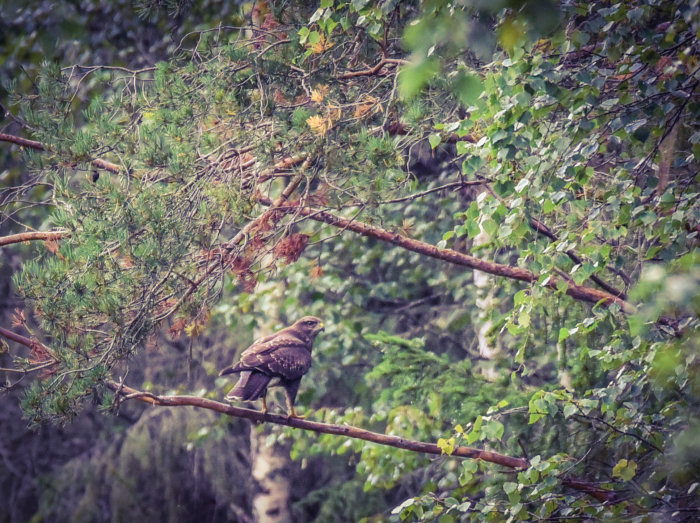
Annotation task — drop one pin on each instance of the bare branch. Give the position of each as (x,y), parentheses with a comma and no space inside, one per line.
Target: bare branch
(543,229)
(28,236)
(372,70)
(601,494)
(22,340)
(315,426)
(22,142)
(446,187)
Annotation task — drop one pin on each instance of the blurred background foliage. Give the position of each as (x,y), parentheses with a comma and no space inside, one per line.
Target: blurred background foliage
(567,133)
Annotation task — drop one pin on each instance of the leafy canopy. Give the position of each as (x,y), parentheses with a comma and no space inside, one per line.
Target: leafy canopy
(576,122)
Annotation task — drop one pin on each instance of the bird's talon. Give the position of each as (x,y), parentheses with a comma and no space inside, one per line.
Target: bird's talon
(293,414)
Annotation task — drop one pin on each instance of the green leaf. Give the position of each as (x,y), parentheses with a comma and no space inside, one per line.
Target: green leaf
(563,333)
(490,226)
(314,37)
(357,5)
(569,410)
(408,503)
(315,17)
(509,487)
(625,470)
(413,78)
(524,319)
(475,433)
(469,468)
(468,87)
(434,140)
(473,228)
(522,185)
(303,35)
(493,430)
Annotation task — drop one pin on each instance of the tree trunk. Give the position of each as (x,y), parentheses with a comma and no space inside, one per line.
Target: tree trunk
(270,464)
(484,302)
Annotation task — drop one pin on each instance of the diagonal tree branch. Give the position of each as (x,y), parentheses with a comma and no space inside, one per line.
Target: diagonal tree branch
(575,291)
(125,392)
(372,70)
(11,335)
(543,229)
(315,426)
(22,142)
(578,292)
(601,494)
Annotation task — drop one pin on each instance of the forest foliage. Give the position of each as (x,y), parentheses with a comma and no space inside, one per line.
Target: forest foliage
(358,161)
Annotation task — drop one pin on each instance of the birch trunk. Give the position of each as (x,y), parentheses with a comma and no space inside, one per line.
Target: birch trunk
(484,301)
(270,464)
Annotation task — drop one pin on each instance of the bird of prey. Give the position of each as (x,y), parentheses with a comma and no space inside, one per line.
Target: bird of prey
(278,360)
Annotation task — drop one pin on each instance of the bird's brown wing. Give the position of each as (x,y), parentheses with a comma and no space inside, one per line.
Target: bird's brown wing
(291,362)
(283,355)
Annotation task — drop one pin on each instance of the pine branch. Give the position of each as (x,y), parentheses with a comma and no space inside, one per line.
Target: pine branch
(28,236)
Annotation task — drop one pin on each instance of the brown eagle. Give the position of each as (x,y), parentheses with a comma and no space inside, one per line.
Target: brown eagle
(278,360)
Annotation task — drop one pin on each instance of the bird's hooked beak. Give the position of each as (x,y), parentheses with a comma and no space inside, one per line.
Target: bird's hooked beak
(320,327)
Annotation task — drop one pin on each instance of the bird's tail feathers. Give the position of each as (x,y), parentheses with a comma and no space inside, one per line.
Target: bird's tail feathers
(251,386)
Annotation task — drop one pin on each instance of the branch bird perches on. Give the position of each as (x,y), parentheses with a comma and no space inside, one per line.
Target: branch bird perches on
(123,392)
(315,426)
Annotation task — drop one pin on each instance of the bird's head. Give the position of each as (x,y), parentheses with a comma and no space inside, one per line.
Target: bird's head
(309,325)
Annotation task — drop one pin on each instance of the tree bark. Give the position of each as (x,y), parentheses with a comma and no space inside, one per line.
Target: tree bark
(271,502)
(29,236)
(270,463)
(484,302)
